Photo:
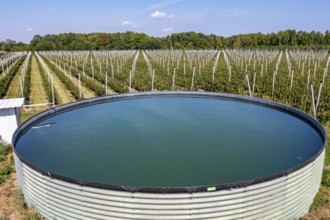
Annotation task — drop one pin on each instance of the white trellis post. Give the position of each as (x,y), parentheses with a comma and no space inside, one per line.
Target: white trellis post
(313,101)
(153,80)
(168,68)
(70,73)
(93,73)
(319,95)
(184,67)
(79,86)
(173,82)
(273,85)
(106,82)
(21,83)
(130,78)
(291,80)
(53,92)
(229,78)
(308,77)
(193,78)
(254,82)
(248,83)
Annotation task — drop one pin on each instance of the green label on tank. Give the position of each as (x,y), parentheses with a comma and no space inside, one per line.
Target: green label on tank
(212,188)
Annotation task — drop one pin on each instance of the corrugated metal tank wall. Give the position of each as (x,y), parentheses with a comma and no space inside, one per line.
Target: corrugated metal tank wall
(287,197)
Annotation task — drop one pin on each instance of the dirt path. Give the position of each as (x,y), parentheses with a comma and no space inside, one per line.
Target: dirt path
(64,96)
(8,207)
(8,190)
(38,94)
(12,206)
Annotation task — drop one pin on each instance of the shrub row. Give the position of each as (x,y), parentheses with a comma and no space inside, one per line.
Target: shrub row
(114,84)
(98,89)
(46,84)
(71,87)
(5,81)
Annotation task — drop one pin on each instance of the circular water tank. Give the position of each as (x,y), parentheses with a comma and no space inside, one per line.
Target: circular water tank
(170,155)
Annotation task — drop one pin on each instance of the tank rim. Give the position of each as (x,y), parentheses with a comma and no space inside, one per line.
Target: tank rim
(189,189)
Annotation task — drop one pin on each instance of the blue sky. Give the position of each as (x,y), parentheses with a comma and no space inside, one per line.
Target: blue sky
(22,19)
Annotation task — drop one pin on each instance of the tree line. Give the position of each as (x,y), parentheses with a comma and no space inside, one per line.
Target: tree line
(186,40)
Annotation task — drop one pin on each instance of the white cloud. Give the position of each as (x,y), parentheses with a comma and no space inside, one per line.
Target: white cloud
(29,29)
(163,4)
(168,29)
(158,15)
(171,16)
(234,13)
(129,24)
(126,23)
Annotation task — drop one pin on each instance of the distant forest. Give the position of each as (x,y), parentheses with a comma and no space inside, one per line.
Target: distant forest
(187,40)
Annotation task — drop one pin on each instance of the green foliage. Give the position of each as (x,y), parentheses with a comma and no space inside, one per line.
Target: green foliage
(5,171)
(6,47)
(19,199)
(326,178)
(117,86)
(119,83)
(11,46)
(321,199)
(4,149)
(65,80)
(34,215)
(327,151)
(6,168)
(3,218)
(95,41)
(5,81)
(177,45)
(253,60)
(282,39)
(326,171)
(98,89)
(188,40)
(28,213)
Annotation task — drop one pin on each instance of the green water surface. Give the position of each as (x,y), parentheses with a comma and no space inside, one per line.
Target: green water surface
(169,142)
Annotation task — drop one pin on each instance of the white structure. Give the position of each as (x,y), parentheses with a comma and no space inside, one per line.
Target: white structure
(9,118)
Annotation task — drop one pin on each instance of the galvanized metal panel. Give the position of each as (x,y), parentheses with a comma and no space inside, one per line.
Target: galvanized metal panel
(11,103)
(286,197)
